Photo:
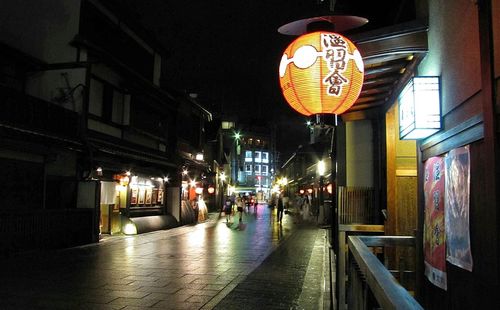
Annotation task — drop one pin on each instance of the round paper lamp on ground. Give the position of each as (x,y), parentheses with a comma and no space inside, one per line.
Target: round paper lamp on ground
(321,72)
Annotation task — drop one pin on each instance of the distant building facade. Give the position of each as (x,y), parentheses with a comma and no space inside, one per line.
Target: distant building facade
(254,161)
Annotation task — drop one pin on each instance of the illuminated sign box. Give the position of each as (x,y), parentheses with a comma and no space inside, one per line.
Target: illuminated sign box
(419,108)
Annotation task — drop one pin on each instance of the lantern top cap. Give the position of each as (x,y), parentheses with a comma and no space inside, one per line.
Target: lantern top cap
(338,23)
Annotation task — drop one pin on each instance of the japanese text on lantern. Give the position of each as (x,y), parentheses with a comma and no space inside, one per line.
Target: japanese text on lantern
(335,52)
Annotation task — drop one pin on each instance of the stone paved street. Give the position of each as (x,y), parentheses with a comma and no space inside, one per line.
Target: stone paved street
(256,265)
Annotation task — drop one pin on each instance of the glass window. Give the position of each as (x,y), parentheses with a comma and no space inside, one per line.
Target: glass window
(248,169)
(95,101)
(257,169)
(227,125)
(248,156)
(106,102)
(265,157)
(257,157)
(264,170)
(118,104)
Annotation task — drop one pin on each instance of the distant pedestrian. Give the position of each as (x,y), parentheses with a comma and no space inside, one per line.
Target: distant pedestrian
(240,204)
(306,209)
(228,209)
(280,206)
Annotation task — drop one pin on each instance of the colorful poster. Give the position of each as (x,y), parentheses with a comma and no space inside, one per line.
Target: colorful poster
(142,194)
(154,197)
(160,196)
(148,196)
(434,228)
(458,250)
(133,196)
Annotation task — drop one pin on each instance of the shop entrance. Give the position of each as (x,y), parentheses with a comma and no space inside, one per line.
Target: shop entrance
(109,222)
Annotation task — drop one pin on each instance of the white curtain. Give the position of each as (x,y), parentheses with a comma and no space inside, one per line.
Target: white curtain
(108,192)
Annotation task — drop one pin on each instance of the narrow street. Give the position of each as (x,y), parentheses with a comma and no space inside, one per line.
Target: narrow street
(212,265)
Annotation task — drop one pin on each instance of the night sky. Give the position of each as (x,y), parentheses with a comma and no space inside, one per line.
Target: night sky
(228,52)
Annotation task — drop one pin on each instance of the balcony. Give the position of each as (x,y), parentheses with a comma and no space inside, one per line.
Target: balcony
(26,113)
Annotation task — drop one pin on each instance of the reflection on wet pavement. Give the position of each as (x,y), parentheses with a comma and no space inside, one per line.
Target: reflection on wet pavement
(181,268)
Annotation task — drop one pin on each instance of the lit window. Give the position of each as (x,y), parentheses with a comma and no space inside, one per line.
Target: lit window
(227,125)
(265,157)
(248,169)
(257,157)
(248,156)
(264,170)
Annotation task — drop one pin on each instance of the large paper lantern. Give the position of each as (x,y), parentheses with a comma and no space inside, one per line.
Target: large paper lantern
(321,72)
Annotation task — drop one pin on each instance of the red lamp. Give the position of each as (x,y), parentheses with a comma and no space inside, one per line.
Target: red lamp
(321,73)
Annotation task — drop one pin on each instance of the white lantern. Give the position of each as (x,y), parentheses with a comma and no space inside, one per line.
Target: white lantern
(419,108)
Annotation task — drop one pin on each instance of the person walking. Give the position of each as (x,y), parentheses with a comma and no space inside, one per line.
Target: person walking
(228,209)
(240,204)
(280,208)
(306,209)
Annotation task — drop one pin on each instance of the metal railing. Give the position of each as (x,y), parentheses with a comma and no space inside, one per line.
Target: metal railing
(371,285)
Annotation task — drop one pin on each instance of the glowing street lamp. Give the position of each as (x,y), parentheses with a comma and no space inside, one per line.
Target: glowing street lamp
(199,156)
(222,176)
(283,181)
(321,167)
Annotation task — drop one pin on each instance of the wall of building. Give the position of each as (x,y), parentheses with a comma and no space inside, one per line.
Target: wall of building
(454,56)
(42,29)
(458,56)
(359,153)
(62,87)
(496,37)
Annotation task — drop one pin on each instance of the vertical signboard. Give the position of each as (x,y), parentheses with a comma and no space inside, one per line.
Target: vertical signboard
(434,223)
